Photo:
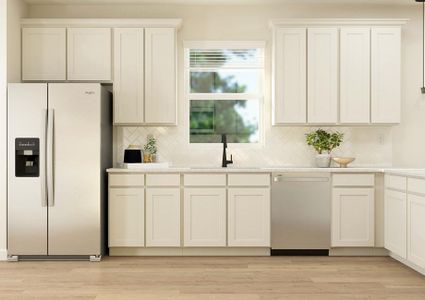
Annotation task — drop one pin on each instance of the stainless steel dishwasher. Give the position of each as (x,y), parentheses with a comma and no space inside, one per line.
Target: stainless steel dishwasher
(301,213)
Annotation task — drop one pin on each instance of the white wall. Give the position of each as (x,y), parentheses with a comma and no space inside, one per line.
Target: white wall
(401,145)
(11,11)
(17,9)
(3,147)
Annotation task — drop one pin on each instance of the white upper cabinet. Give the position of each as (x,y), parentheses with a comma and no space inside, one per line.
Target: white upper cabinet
(43,54)
(128,75)
(89,54)
(322,75)
(348,71)
(355,75)
(290,76)
(386,74)
(160,76)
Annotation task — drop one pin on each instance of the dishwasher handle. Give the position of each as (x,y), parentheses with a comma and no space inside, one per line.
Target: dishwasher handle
(280,178)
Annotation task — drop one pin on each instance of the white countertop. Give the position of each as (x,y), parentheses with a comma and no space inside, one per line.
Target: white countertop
(420,173)
(417,173)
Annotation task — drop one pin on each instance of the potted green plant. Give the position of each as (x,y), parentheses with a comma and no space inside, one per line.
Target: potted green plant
(150,149)
(324,142)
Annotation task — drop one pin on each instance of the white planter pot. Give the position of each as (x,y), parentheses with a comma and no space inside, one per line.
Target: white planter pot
(323,160)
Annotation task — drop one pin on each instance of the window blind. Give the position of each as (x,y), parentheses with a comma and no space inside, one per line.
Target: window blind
(226,58)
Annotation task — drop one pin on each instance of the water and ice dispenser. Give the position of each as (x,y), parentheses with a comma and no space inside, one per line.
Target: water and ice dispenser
(27,157)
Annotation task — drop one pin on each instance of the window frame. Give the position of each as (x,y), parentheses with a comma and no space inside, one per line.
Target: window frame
(188,96)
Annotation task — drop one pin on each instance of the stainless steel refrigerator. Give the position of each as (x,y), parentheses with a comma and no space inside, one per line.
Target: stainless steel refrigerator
(59,145)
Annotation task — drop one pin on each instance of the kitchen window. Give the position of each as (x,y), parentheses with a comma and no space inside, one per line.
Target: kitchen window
(224,88)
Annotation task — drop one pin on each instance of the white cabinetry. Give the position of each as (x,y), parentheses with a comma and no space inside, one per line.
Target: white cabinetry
(416,229)
(386,74)
(219,213)
(160,76)
(249,217)
(348,71)
(322,75)
(163,217)
(43,54)
(89,54)
(126,217)
(355,75)
(290,76)
(395,222)
(205,217)
(145,76)
(405,220)
(353,210)
(128,75)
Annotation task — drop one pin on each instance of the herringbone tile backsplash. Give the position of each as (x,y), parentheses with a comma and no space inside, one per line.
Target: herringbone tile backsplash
(281,146)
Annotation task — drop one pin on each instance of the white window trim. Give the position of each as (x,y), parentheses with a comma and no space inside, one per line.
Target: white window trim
(230,96)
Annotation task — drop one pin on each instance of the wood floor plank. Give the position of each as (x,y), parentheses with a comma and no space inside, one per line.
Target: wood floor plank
(221,278)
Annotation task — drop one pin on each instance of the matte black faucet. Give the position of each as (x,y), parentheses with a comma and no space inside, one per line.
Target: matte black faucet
(225,162)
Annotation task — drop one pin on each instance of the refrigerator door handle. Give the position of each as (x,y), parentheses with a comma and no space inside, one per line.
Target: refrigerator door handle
(50,154)
(43,155)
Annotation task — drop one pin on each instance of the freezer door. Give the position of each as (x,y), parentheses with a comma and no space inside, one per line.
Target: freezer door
(27,199)
(74,166)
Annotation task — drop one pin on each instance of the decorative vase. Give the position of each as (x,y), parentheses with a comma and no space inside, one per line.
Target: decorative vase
(153,158)
(147,157)
(323,160)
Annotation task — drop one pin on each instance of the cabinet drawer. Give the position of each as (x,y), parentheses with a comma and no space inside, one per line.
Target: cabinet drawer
(416,185)
(249,179)
(395,182)
(205,179)
(353,180)
(163,179)
(126,180)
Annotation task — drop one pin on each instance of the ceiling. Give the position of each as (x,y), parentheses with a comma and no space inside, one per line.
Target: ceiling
(221,2)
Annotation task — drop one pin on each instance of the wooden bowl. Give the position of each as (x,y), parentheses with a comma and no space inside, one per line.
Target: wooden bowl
(343,161)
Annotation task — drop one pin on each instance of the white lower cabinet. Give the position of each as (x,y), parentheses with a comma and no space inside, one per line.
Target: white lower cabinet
(126,217)
(249,217)
(163,217)
(395,222)
(353,217)
(416,230)
(204,217)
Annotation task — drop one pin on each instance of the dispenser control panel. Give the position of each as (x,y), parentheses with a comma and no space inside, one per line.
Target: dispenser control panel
(27,157)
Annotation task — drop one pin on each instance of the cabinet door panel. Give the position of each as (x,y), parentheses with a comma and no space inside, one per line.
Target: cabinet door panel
(290,76)
(353,217)
(249,217)
(126,217)
(323,75)
(416,230)
(160,76)
(355,75)
(128,75)
(395,222)
(163,217)
(89,54)
(43,54)
(386,74)
(205,217)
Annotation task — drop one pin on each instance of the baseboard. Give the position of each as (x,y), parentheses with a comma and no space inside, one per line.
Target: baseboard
(189,251)
(3,254)
(408,263)
(358,252)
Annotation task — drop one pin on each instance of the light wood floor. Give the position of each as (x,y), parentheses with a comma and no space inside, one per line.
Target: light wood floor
(213,278)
